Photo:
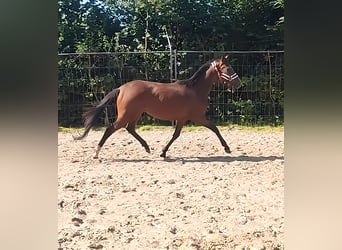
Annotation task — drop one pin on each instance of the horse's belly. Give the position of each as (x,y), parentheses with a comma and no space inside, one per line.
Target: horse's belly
(179,110)
(168,113)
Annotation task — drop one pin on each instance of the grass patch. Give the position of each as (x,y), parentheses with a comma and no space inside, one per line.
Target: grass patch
(187,128)
(169,127)
(260,128)
(77,129)
(68,130)
(153,127)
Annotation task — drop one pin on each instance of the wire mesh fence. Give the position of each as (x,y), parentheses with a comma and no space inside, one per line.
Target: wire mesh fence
(84,79)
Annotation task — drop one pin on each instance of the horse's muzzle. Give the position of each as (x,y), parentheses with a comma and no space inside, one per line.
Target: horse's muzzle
(234,84)
(232,81)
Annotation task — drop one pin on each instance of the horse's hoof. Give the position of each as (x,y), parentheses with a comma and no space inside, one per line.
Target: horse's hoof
(163,155)
(148,150)
(95,157)
(227,150)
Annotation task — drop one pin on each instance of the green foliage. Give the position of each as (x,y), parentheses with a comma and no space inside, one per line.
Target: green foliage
(141,25)
(112,25)
(246,111)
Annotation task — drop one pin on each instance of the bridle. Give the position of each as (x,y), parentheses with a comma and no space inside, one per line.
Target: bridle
(222,75)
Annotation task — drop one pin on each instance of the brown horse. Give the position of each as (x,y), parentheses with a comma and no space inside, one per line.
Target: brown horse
(181,101)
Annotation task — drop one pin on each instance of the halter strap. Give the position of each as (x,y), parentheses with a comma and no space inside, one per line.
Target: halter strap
(222,75)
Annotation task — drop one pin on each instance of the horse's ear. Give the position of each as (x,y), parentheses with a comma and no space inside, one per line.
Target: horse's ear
(224,59)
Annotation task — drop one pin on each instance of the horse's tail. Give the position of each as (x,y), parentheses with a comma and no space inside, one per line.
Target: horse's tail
(93,114)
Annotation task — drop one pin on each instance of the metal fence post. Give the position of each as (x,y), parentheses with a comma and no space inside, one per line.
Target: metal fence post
(175,63)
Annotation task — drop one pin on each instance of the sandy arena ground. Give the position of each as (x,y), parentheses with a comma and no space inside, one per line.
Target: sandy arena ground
(197,198)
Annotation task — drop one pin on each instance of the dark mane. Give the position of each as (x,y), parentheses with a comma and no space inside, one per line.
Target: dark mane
(195,77)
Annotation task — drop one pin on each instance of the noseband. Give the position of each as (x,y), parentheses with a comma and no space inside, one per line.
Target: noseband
(222,75)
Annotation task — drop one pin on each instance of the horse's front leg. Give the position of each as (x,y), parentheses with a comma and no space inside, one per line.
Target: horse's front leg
(210,125)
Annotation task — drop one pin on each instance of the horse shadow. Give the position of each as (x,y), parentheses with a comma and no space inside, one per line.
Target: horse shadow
(206,159)
(210,159)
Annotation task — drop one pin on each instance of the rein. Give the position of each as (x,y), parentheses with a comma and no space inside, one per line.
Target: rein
(222,75)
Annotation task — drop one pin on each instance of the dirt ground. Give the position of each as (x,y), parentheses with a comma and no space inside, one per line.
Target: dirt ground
(199,197)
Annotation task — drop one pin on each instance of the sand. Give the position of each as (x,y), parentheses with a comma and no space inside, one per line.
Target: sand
(199,197)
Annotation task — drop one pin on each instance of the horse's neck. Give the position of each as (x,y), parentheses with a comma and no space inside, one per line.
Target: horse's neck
(205,85)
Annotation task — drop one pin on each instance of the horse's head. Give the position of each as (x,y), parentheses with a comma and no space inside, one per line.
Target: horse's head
(227,74)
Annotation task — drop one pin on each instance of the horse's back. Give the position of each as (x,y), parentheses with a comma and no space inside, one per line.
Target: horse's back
(144,90)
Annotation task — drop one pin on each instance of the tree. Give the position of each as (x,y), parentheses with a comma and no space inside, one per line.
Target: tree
(117,25)
(69,30)
(88,27)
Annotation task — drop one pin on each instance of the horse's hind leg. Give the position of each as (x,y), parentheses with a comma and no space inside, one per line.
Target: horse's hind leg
(109,131)
(131,129)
